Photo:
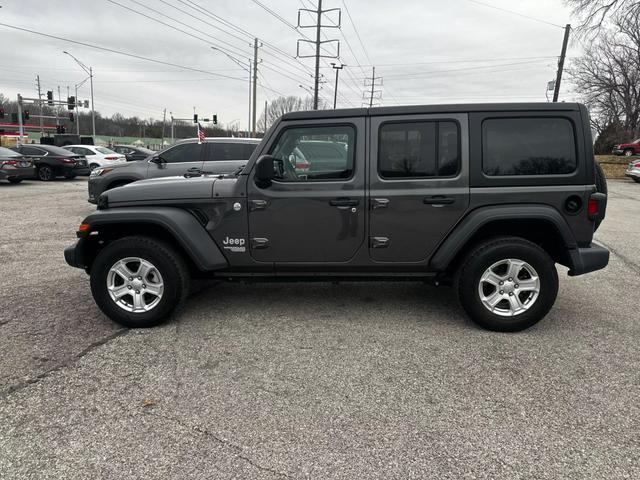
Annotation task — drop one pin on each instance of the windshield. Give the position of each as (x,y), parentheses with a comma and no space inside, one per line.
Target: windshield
(637,140)
(106,151)
(5,152)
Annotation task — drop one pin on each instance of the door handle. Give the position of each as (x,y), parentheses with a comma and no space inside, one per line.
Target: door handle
(438,200)
(257,205)
(343,202)
(377,203)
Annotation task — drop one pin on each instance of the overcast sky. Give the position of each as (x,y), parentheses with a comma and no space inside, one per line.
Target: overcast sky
(426,51)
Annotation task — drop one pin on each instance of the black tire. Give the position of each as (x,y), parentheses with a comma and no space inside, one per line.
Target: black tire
(170,265)
(601,186)
(488,253)
(15,180)
(635,179)
(93,166)
(70,176)
(628,153)
(45,173)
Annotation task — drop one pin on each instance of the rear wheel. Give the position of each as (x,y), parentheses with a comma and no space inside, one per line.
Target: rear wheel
(45,173)
(507,284)
(139,281)
(15,180)
(628,153)
(636,179)
(93,166)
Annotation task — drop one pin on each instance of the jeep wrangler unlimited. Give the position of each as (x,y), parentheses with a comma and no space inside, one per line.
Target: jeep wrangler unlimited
(485,197)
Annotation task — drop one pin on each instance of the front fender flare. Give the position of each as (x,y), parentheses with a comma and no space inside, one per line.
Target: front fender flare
(455,241)
(179,223)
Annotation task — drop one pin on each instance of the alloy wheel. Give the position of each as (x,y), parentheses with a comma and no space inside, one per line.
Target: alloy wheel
(509,287)
(135,284)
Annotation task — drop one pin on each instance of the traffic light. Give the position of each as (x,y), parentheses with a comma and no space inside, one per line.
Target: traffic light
(71,119)
(215,119)
(71,102)
(50,97)
(25,115)
(195,118)
(60,129)
(1,112)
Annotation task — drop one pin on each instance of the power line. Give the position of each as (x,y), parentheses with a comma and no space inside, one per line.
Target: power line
(118,52)
(516,13)
(353,24)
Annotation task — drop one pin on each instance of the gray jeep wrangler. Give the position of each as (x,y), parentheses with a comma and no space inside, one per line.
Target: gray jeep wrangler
(485,197)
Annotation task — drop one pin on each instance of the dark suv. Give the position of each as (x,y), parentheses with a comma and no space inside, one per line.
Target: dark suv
(217,155)
(487,198)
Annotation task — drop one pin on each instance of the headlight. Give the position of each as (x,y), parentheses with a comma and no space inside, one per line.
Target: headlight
(100,171)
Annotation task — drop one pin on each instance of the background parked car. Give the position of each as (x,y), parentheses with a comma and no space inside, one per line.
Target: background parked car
(14,167)
(133,153)
(52,162)
(633,171)
(628,149)
(216,155)
(97,156)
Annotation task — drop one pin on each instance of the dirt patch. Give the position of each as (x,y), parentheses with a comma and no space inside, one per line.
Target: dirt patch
(613,166)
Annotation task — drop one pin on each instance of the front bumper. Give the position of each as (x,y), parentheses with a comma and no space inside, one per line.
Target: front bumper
(617,151)
(589,259)
(76,254)
(632,172)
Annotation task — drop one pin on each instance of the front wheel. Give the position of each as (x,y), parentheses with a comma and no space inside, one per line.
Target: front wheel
(628,153)
(636,179)
(507,284)
(139,281)
(93,166)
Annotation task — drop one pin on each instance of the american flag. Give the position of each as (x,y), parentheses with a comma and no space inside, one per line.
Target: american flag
(200,133)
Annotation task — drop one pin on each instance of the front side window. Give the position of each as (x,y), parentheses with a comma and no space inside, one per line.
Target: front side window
(315,153)
(32,151)
(185,152)
(528,146)
(419,149)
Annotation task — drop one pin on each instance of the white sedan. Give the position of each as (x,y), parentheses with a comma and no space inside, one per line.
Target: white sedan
(97,156)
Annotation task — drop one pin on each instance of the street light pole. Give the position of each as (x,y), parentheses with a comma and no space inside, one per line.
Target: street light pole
(239,63)
(89,71)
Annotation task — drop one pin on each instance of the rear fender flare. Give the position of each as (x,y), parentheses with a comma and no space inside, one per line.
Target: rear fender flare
(458,237)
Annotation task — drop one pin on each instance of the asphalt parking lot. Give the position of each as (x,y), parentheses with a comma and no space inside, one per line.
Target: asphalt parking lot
(383,380)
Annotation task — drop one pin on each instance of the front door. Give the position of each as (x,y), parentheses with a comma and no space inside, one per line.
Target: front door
(178,159)
(419,184)
(314,211)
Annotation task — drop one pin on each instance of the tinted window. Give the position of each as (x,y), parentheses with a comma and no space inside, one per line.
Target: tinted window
(299,163)
(34,151)
(58,151)
(104,151)
(418,149)
(227,151)
(528,146)
(185,152)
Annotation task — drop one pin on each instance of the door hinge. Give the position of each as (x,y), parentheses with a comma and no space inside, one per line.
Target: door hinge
(257,205)
(379,242)
(258,243)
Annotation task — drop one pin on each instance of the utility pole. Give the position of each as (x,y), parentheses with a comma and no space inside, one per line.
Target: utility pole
(77,114)
(171,115)
(41,107)
(249,120)
(58,107)
(318,43)
(88,70)
(565,41)
(20,126)
(255,84)
(164,118)
(373,82)
(369,96)
(335,91)
(265,116)
(316,80)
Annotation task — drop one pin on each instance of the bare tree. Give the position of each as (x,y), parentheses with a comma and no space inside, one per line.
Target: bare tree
(608,75)
(593,14)
(282,105)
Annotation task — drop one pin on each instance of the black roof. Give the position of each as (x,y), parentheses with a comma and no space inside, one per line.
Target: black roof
(417,109)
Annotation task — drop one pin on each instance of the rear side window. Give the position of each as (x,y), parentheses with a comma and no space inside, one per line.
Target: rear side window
(419,149)
(227,151)
(528,146)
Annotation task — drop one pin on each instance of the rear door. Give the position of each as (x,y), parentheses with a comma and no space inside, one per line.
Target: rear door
(178,160)
(226,157)
(419,184)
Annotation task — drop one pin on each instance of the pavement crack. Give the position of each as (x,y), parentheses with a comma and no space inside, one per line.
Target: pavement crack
(624,259)
(232,446)
(85,351)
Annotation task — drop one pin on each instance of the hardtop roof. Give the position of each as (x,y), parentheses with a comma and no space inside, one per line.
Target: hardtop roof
(426,109)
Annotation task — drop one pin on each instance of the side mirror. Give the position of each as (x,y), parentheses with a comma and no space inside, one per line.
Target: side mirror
(265,170)
(158,160)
